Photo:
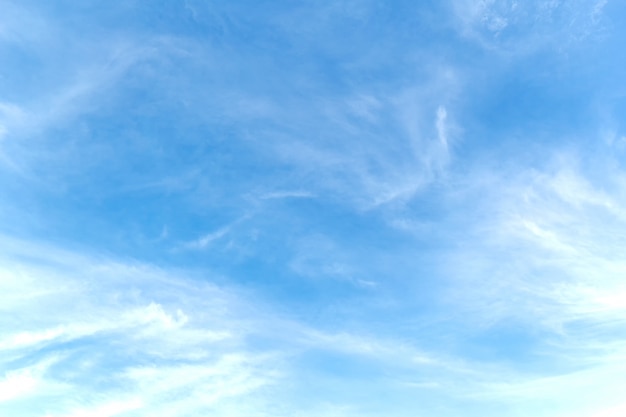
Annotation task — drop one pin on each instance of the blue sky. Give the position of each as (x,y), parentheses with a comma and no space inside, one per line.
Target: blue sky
(346,208)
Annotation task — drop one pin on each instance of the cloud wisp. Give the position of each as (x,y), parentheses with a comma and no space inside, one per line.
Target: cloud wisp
(357,208)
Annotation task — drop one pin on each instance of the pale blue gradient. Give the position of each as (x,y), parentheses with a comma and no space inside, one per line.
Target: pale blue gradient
(342,208)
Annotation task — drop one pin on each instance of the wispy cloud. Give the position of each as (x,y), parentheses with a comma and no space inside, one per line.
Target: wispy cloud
(395,162)
(297,209)
(137,339)
(205,240)
(286,194)
(129,333)
(133,338)
(547,256)
(509,26)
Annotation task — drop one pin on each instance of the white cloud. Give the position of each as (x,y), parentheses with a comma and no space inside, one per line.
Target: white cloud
(30,381)
(617,411)
(205,240)
(18,383)
(273,195)
(208,239)
(546,257)
(107,409)
(162,343)
(442,129)
(117,319)
(170,345)
(517,28)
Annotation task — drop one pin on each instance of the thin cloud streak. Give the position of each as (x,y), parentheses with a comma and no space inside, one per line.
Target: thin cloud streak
(158,335)
(133,323)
